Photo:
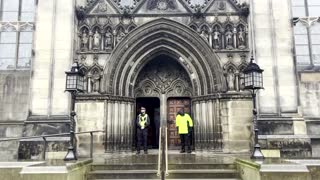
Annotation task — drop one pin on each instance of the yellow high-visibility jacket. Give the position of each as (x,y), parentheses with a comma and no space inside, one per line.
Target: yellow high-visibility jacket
(182,123)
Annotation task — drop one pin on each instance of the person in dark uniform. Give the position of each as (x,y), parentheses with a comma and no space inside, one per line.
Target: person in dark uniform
(143,122)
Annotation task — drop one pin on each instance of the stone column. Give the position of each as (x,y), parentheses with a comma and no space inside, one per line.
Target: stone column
(163,110)
(210,37)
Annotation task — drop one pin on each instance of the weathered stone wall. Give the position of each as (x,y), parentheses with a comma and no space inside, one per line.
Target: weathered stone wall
(14,103)
(224,123)
(236,116)
(115,118)
(53,45)
(310,107)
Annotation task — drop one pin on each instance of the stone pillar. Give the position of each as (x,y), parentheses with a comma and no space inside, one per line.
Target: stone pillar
(163,110)
(210,37)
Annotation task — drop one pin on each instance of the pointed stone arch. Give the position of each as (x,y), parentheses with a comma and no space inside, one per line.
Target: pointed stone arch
(171,38)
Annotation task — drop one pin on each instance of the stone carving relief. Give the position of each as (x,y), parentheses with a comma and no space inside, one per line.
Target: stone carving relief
(233,73)
(224,36)
(93,74)
(96,40)
(84,40)
(217,37)
(99,38)
(108,42)
(120,34)
(161,4)
(205,33)
(163,77)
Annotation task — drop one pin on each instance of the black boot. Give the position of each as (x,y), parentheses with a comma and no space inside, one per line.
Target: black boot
(138,152)
(182,151)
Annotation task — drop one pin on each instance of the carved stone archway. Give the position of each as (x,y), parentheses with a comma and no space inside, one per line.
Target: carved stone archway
(163,75)
(169,37)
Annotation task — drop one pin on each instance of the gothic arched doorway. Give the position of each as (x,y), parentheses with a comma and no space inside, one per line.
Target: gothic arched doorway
(181,64)
(164,78)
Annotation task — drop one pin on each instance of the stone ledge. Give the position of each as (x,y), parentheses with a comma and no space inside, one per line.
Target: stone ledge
(296,168)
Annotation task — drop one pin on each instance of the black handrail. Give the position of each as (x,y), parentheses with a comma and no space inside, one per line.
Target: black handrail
(44,137)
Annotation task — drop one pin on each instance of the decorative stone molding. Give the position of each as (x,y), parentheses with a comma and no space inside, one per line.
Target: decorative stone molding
(169,35)
(100,97)
(158,78)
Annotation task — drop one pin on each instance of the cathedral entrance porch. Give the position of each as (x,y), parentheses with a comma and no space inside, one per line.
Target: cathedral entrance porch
(152,106)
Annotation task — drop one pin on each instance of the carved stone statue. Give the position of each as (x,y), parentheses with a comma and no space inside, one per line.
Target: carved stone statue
(120,35)
(230,80)
(108,40)
(241,39)
(84,41)
(229,39)
(95,84)
(216,39)
(204,35)
(96,40)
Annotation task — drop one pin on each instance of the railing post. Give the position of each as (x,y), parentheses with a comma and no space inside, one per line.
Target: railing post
(44,148)
(159,155)
(91,144)
(166,146)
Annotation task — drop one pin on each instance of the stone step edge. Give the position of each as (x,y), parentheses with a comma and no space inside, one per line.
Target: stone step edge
(188,171)
(178,179)
(147,171)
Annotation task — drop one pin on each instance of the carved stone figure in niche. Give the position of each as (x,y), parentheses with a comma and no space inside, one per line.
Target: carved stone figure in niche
(216,39)
(120,35)
(229,39)
(241,38)
(161,4)
(95,85)
(230,79)
(96,40)
(204,35)
(108,40)
(84,45)
(241,81)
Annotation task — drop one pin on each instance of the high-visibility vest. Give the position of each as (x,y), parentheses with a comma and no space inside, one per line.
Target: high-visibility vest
(143,120)
(182,123)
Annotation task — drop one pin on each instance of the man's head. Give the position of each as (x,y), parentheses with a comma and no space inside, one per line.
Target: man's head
(181,112)
(143,110)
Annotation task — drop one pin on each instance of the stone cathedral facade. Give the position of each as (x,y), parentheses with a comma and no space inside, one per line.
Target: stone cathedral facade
(163,55)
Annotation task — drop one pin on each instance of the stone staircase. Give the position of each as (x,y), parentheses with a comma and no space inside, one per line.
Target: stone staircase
(204,171)
(123,171)
(180,167)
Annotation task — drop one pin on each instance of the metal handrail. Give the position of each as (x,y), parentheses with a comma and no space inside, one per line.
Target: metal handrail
(166,154)
(44,137)
(159,155)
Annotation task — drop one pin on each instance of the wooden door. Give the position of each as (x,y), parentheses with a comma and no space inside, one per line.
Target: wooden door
(174,105)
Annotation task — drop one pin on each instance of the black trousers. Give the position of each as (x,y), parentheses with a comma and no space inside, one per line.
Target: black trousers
(185,141)
(142,138)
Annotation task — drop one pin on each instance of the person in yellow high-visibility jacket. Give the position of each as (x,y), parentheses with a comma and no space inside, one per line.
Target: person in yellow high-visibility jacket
(184,124)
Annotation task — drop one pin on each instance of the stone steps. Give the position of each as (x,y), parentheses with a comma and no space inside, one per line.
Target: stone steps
(142,166)
(202,174)
(122,174)
(180,168)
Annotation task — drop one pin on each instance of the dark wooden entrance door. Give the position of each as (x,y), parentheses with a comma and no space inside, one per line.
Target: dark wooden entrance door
(174,105)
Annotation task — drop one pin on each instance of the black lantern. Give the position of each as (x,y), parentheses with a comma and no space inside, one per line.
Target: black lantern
(253,81)
(74,79)
(74,84)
